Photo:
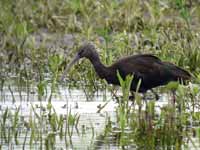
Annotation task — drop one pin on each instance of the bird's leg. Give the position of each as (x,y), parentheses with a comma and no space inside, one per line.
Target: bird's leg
(174,97)
(155,94)
(146,106)
(115,97)
(132,98)
(144,96)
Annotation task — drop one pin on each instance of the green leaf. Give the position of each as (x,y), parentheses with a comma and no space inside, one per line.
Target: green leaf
(172,86)
(121,81)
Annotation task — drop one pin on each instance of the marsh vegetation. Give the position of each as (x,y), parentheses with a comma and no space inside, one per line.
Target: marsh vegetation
(37,40)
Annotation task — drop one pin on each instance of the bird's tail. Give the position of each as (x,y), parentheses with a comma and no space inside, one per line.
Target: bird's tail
(179,73)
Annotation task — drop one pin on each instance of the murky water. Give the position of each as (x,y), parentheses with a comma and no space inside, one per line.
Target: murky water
(89,132)
(90,126)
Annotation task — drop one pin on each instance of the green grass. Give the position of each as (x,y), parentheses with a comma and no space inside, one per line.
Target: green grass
(167,28)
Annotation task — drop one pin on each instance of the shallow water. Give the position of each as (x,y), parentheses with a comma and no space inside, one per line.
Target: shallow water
(91,125)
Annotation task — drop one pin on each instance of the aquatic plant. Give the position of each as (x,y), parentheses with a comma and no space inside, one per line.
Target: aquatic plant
(33,49)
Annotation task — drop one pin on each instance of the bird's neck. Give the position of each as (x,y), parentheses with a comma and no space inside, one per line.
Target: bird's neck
(100,68)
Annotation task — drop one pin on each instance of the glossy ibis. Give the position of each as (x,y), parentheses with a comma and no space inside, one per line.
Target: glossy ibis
(150,69)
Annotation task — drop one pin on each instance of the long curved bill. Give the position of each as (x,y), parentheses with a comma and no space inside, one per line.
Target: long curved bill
(74,60)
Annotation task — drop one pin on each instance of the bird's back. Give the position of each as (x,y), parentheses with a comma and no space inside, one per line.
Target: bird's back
(150,69)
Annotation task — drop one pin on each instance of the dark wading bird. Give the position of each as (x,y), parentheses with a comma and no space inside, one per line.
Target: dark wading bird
(145,67)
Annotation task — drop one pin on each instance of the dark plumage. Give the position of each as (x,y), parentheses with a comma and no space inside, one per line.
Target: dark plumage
(150,69)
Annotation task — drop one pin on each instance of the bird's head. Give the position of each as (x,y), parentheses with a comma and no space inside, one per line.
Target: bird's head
(87,51)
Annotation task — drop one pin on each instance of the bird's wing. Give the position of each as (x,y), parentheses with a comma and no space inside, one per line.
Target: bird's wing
(178,72)
(139,65)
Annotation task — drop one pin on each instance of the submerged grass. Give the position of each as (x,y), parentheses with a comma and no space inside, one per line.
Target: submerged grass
(35,47)
(144,127)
